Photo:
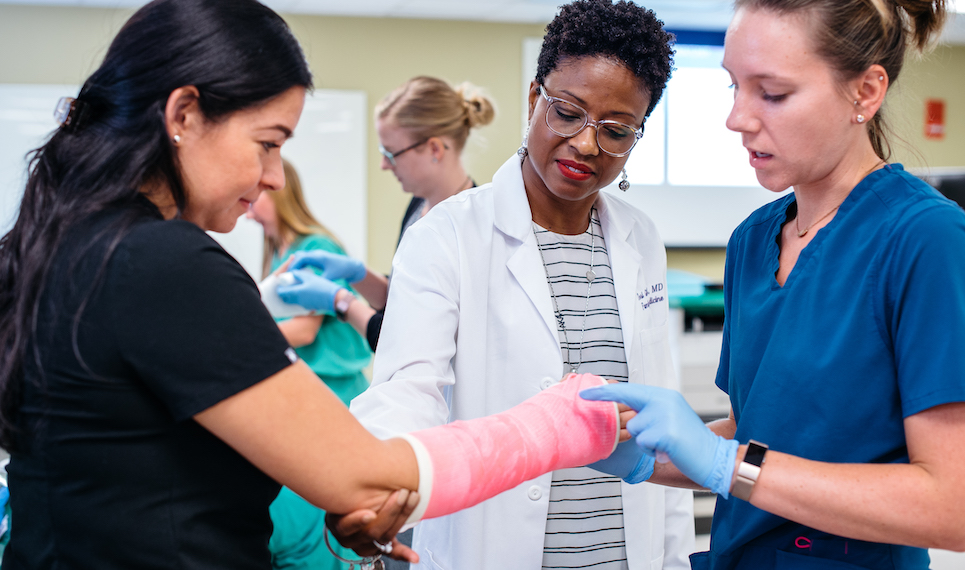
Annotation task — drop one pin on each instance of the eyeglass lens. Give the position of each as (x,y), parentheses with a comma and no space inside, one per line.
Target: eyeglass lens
(567,120)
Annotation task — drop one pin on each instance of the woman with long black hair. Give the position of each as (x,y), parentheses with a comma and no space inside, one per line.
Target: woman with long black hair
(151,405)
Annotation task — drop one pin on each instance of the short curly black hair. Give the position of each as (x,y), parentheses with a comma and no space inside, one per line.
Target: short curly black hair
(623,31)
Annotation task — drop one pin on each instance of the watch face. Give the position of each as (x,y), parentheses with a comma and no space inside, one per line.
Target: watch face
(755,453)
(341,307)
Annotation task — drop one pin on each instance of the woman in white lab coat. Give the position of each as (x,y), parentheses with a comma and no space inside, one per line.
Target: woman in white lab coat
(501,290)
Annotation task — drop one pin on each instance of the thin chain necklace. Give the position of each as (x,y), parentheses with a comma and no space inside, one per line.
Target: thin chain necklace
(804,232)
(797,217)
(590,276)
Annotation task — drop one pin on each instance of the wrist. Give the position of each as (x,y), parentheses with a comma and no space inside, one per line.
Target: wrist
(643,470)
(747,469)
(722,472)
(343,301)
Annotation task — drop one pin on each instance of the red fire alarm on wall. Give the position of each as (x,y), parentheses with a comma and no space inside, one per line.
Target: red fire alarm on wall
(935,119)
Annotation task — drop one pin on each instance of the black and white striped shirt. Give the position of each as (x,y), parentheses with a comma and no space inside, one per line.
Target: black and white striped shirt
(584,527)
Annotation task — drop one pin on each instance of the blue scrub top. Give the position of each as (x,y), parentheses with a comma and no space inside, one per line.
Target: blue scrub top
(865,332)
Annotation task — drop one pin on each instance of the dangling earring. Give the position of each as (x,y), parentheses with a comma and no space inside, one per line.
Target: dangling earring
(523,150)
(624,184)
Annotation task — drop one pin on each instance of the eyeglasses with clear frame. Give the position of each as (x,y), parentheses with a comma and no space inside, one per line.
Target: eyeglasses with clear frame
(391,156)
(568,119)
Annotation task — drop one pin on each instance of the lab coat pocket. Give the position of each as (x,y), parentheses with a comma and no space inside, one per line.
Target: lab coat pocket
(428,562)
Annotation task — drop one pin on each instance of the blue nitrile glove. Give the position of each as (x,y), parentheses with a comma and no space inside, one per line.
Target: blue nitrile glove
(333,265)
(309,290)
(665,423)
(628,462)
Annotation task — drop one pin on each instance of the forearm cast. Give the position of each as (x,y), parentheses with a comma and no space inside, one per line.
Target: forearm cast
(466,462)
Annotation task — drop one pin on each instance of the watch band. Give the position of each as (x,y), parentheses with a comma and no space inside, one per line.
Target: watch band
(342,305)
(749,470)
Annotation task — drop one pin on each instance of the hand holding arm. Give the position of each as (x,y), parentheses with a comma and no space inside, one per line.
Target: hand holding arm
(628,461)
(666,424)
(334,266)
(361,529)
(310,291)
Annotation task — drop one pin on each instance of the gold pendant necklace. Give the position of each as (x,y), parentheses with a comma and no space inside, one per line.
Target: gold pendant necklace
(804,232)
(801,233)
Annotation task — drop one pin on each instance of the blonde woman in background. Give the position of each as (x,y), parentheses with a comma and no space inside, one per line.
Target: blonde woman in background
(335,352)
(331,348)
(422,126)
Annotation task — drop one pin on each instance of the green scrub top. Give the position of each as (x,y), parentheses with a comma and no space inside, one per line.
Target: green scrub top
(339,353)
(338,356)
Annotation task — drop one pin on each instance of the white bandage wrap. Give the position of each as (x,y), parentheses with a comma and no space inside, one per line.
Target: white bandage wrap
(269,296)
(466,462)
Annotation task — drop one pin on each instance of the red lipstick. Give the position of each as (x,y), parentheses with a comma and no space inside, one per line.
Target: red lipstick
(574,170)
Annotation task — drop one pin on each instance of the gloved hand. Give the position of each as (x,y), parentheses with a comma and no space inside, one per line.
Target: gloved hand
(309,290)
(665,423)
(333,265)
(628,462)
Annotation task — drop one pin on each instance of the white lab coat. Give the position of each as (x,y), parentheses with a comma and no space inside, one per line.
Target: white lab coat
(469,331)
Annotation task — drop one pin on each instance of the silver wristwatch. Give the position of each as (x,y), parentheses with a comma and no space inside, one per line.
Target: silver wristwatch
(749,470)
(342,305)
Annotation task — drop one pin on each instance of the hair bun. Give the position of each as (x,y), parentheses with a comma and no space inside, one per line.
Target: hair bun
(479,108)
(925,20)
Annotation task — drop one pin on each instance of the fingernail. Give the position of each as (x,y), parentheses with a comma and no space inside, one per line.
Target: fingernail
(403,496)
(368,518)
(413,499)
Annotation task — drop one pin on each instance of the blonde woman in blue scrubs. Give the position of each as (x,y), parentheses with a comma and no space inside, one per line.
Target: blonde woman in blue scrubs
(845,310)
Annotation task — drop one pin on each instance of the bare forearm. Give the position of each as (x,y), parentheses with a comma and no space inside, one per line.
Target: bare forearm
(916,503)
(374,287)
(300,331)
(890,503)
(292,427)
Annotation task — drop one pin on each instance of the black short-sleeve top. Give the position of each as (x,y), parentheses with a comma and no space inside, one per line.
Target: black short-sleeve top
(112,472)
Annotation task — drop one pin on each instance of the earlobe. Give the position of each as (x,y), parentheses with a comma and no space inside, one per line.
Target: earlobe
(182,112)
(533,98)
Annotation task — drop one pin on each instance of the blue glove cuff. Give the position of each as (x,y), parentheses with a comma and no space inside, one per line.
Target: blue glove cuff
(642,472)
(725,454)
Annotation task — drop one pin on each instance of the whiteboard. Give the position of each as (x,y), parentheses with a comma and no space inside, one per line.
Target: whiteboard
(328,150)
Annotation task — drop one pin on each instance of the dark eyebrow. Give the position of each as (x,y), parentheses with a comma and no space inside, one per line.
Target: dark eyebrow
(583,103)
(284,130)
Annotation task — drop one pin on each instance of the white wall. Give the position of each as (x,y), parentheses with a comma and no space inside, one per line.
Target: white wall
(328,150)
